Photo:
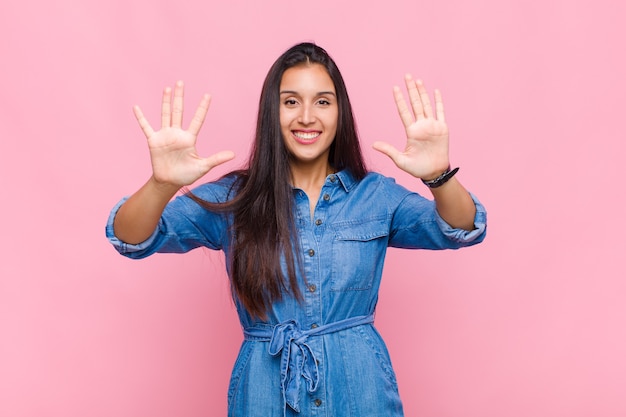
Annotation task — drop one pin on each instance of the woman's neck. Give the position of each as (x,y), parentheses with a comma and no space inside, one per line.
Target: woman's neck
(310,179)
(310,176)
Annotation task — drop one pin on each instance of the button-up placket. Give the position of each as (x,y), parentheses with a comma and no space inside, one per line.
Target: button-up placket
(309,247)
(311,232)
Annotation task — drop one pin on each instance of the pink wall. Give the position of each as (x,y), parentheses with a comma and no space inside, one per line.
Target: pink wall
(531,323)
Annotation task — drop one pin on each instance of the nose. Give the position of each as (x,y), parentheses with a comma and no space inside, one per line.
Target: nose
(307,114)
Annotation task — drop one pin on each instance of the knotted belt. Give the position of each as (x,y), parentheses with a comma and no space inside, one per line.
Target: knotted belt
(297,360)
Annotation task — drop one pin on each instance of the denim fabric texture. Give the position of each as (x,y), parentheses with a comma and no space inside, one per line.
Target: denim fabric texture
(322,356)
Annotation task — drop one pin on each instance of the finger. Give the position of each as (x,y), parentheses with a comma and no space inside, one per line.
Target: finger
(414,96)
(143,122)
(177,105)
(428,108)
(166,108)
(387,149)
(217,159)
(439,106)
(199,115)
(403,110)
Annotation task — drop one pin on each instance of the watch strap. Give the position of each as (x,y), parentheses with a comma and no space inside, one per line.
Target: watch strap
(442,179)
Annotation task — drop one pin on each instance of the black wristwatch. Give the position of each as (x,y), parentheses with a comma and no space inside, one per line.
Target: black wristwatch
(442,179)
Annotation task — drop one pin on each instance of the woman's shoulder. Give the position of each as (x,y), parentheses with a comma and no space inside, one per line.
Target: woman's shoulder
(374,185)
(383,182)
(221,189)
(349,180)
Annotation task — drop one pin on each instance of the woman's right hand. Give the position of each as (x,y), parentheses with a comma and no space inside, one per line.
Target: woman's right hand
(175,161)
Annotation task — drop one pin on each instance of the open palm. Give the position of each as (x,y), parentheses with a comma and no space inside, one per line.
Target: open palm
(426,151)
(173,154)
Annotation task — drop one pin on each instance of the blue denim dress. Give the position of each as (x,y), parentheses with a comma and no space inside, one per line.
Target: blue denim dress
(321,356)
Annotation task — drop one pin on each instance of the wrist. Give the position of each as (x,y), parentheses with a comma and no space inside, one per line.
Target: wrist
(441,179)
(163,188)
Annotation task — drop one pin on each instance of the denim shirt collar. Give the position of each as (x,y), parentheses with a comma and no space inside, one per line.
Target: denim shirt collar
(346,179)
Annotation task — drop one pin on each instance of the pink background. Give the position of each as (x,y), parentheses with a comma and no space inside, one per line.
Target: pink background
(530,323)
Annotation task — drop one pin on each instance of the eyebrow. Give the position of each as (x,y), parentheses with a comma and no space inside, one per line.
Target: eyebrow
(321,93)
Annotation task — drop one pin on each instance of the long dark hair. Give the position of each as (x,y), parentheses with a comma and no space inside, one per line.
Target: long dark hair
(262,205)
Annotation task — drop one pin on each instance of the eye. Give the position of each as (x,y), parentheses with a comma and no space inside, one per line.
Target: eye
(323,102)
(290,102)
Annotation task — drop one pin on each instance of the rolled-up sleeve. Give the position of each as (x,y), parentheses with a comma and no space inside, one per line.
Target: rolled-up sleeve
(140,250)
(466,236)
(183,226)
(416,224)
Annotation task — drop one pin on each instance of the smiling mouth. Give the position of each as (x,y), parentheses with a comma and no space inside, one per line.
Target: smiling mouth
(305,136)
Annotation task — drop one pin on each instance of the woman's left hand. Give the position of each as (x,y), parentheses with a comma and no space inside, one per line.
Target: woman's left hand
(425,155)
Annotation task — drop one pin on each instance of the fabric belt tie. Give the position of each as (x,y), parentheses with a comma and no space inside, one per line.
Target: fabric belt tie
(297,359)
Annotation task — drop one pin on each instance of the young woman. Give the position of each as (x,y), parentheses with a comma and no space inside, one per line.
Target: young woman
(304,228)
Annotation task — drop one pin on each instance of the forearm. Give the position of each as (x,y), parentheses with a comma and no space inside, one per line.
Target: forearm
(455,205)
(138,217)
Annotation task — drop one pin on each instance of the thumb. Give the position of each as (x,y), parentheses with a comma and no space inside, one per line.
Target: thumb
(217,159)
(387,149)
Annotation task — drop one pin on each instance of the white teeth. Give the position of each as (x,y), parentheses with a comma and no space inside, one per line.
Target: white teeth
(306,135)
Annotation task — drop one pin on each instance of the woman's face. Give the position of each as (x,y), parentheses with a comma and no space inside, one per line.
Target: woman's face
(308,113)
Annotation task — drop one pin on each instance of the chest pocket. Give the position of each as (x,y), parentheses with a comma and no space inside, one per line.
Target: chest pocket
(358,255)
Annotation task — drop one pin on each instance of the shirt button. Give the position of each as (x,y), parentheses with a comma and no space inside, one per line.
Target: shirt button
(312,287)
(314,326)
(333,178)
(318,402)
(318,222)
(326,197)
(311,252)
